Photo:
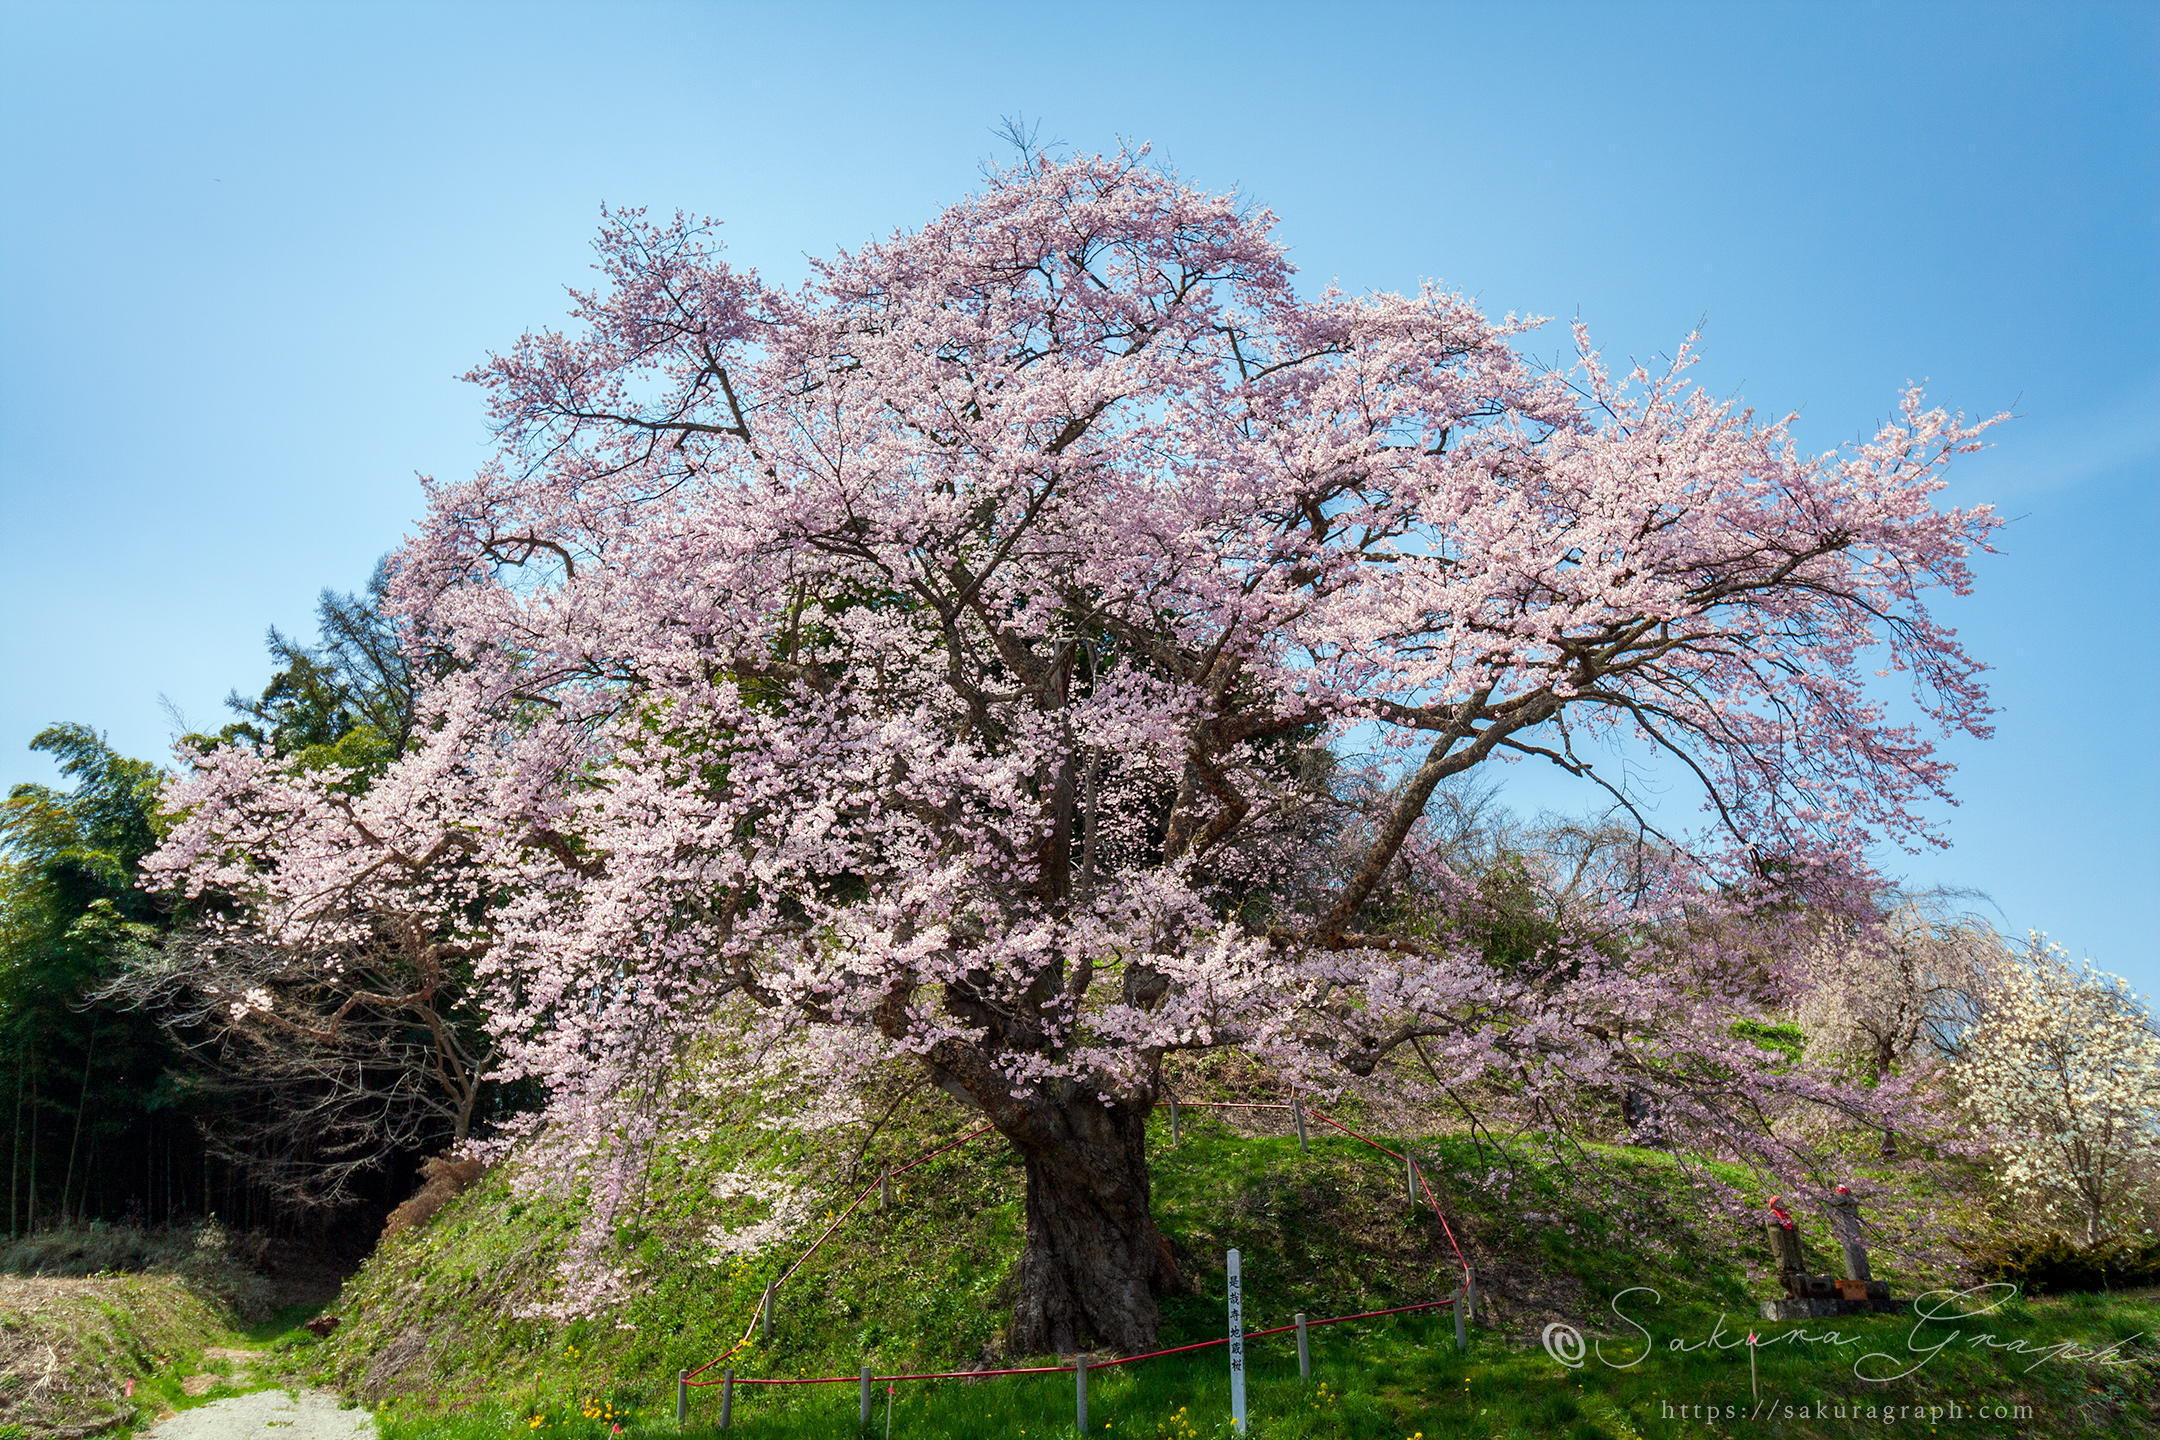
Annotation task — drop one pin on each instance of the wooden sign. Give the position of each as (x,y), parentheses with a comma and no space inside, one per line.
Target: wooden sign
(1237,1345)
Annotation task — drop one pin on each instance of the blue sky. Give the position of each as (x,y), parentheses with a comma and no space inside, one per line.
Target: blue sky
(248,249)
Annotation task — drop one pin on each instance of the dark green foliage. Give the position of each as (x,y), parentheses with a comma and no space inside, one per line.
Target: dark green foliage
(1511,919)
(89,1104)
(347,701)
(2051,1265)
(99,1100)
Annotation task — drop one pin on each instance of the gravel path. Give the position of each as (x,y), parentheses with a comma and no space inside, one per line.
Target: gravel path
(267,1413)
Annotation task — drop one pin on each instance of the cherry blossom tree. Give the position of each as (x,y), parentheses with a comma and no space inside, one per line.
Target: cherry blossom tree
(1898,987)
(320,1064)
(943,661)
(1886,992)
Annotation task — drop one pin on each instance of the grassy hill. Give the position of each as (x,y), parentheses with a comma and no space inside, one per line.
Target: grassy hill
(439,1330)
(104,1354)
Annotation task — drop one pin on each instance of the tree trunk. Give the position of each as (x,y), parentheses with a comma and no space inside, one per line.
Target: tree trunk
(1093,1256)
(1639,1109)
(30,1224)
(15,1137)
(82,1103)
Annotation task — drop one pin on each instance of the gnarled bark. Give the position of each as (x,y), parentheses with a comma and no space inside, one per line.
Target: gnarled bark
(1093,1258)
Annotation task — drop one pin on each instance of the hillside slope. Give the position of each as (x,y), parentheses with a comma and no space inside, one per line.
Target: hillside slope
(446,1328)
(449,1317)
(70,1346)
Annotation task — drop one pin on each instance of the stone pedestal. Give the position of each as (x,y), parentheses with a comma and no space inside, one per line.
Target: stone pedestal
(1820,1309)
(1785,1246)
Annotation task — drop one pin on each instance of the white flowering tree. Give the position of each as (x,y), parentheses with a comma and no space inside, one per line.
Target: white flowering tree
(2063,1070)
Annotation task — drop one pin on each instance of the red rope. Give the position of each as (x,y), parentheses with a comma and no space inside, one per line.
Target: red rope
(803,1258)
(1263,1334)
(1430,1198)
(1092,1364)
(883,1379)
(690,1377)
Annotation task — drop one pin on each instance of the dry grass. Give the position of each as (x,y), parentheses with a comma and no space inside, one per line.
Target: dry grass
(447,1177)
(68,1344)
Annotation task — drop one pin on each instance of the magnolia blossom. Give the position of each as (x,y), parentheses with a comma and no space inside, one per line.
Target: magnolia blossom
(2063,1072)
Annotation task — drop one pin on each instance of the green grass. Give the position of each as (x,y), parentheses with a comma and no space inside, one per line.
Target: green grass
(1391,1380)
(159,1385)
(432,1336)
(71,1347)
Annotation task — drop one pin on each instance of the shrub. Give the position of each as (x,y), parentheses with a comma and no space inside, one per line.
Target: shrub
(2051,1265)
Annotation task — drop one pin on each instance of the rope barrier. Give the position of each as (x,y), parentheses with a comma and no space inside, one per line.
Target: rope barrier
(689,1377)
(1278,1330)
(1092,1364)
(1430,1198)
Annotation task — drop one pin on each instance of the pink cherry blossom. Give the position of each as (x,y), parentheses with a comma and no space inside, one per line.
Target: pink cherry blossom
(941,663)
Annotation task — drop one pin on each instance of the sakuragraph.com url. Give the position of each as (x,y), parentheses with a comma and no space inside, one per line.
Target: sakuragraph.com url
(1852,1412)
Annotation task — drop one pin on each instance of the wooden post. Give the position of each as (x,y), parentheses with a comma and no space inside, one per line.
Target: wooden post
(1175,1137)
(682,1397)
(1237,1345)
(1409,1175)
(866,1394)
(1298,1109)
(765,1308)
(884,1191)
(1462,1339)
(1080,1363)
(727,1398)
(1304,1356)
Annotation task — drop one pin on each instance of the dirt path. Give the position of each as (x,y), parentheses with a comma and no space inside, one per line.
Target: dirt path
(285,1413)
(281,1414)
